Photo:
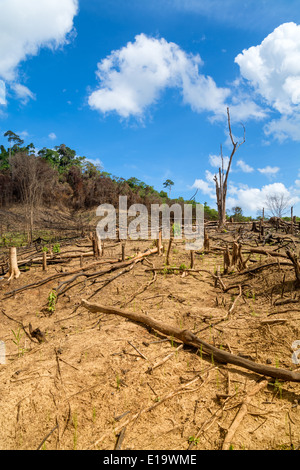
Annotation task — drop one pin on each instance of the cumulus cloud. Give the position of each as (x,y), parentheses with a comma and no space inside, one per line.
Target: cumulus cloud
(205,187)
(244,166)
(25,27)
(252,199)
(273,69)
(269,171)
(135,76)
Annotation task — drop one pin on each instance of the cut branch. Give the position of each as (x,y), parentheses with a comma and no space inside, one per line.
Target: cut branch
(189,338)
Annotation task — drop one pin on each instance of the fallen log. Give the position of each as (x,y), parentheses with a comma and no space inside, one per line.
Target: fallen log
(79,271)
(187,337)
(55,276)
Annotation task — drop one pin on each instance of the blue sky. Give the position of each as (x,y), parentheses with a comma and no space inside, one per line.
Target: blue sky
(143,88)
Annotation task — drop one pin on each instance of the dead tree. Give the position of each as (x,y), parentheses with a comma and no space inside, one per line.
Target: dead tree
(222,180)
(277,204)
(31,177)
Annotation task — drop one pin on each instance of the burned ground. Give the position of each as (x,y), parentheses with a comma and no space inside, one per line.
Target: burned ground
(95,378)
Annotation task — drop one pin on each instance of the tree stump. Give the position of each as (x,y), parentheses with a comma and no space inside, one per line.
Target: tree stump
(44,261)
(206,241)
(226,260)
(192,259)
(14,272)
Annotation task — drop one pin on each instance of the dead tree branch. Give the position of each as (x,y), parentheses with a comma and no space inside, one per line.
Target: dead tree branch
(189,338)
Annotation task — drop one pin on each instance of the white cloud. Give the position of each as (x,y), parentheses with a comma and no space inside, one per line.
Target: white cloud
(205,187)
(52,136)
(134,77)
(2,93)
(250,199)
(216,161)
(253,199)
(27,26)
(22,92)
(269,170)
(287,127)
(97,162)
(209,176)
(23,134)
(273,67)
(244,166)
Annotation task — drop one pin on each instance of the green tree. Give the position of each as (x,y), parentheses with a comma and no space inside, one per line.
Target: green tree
(168,185)
(91,170)
(62,158)
(134,182)
(68,157)
(51,156)
(237,213)
(18,142)
(4,158)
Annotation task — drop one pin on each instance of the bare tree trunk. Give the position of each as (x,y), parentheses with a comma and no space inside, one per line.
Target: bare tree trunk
(14,272)
(221,182)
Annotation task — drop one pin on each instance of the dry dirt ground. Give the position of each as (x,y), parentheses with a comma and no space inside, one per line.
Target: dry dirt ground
(92,381)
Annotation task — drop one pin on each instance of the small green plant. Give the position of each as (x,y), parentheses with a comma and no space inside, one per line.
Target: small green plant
(56,248)
(168,271)
(17,341)
(194,440)
(183,267)
(200,352)
(278,388)
(118,382)
(52,302)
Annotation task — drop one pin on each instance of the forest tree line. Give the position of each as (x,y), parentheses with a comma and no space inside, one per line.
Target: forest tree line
(60,177)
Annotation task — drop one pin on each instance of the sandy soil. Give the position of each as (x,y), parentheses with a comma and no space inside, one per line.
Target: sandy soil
(92,376)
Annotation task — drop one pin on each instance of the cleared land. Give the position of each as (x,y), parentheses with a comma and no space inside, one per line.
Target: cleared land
(81,379)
